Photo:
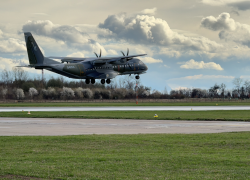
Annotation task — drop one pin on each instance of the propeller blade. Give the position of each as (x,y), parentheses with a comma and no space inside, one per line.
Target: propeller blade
(100,53)
(127,52)
(96,55)
(123,53)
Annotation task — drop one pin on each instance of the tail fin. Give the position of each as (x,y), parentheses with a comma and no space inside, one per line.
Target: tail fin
(34,52)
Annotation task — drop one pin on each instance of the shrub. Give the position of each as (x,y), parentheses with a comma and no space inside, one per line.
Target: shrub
(87,93)
(33,92)
(19,93)
(67,92)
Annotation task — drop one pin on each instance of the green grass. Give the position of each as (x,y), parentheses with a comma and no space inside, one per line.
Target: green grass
(151,156)
(67,104)
(235,115)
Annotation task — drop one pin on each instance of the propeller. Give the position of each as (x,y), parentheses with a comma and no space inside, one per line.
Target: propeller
(127,59)
(124,54)
(99,55)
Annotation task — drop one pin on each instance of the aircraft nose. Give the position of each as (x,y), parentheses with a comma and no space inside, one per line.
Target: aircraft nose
(146,67)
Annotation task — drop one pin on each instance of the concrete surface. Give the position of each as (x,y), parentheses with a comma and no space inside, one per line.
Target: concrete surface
(51,126)
(126,108)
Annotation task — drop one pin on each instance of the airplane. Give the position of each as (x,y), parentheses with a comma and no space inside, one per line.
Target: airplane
(90,69)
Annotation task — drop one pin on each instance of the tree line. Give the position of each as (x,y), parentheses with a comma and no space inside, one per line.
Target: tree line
(15,84)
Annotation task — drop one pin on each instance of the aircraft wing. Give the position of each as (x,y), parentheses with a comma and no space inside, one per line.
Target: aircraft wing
(96,60)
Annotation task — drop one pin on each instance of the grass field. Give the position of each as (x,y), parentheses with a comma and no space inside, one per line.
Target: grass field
(236,115)
(67,104)
(152,156)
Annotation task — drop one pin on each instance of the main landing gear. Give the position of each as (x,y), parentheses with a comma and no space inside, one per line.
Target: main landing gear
(87,81)
(107,81)
(137,77)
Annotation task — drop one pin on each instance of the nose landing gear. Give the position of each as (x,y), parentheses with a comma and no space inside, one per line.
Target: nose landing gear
(137,77)
(87,81)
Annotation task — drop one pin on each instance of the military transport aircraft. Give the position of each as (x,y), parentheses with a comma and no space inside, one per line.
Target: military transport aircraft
(104,68)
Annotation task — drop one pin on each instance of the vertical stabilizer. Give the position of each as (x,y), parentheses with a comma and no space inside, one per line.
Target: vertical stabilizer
(34,52)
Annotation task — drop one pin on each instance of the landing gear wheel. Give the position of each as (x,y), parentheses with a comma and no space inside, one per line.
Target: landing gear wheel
(92,81)
(108,81)
(103,81)
(137,77)
(87,81)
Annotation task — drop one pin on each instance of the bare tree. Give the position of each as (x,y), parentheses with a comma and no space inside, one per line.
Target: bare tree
(19,76)
(247,87)
(222,88)
(6,77)
(237,83)
(4,92)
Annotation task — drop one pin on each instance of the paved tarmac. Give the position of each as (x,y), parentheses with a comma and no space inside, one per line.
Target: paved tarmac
(58,126)
(126,108)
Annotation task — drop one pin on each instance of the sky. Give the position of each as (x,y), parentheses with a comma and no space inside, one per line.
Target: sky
(194,43)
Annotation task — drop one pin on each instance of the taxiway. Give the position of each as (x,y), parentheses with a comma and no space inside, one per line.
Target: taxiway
(59,126)
(126,108)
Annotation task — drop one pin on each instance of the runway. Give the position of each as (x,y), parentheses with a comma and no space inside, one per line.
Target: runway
(126,108)
(58,126)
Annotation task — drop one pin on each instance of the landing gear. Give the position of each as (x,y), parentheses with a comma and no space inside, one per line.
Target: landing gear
(137,77)
(92,81)
(103,81)
(108,81)
(87,81)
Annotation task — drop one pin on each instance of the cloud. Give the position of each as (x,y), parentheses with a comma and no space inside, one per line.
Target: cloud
(200,80)
(222,22)
(12,45)
(201,76)
(229,29)
(148,30)
(192,64)
(242,5)
(41,14)
(148,11)
(68,34)
(112,52)
(150,60)
(76,54)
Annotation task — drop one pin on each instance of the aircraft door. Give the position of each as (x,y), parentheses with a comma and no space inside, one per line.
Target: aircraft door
(81,69)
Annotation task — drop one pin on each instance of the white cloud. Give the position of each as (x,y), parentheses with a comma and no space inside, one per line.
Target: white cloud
(76,54)
(148,30)
(150,60)
(222,22)
(42,14)
(148,11)
(192,64)
(112,52)
(68,34)
(201,76)
(229,29)
(12,45)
